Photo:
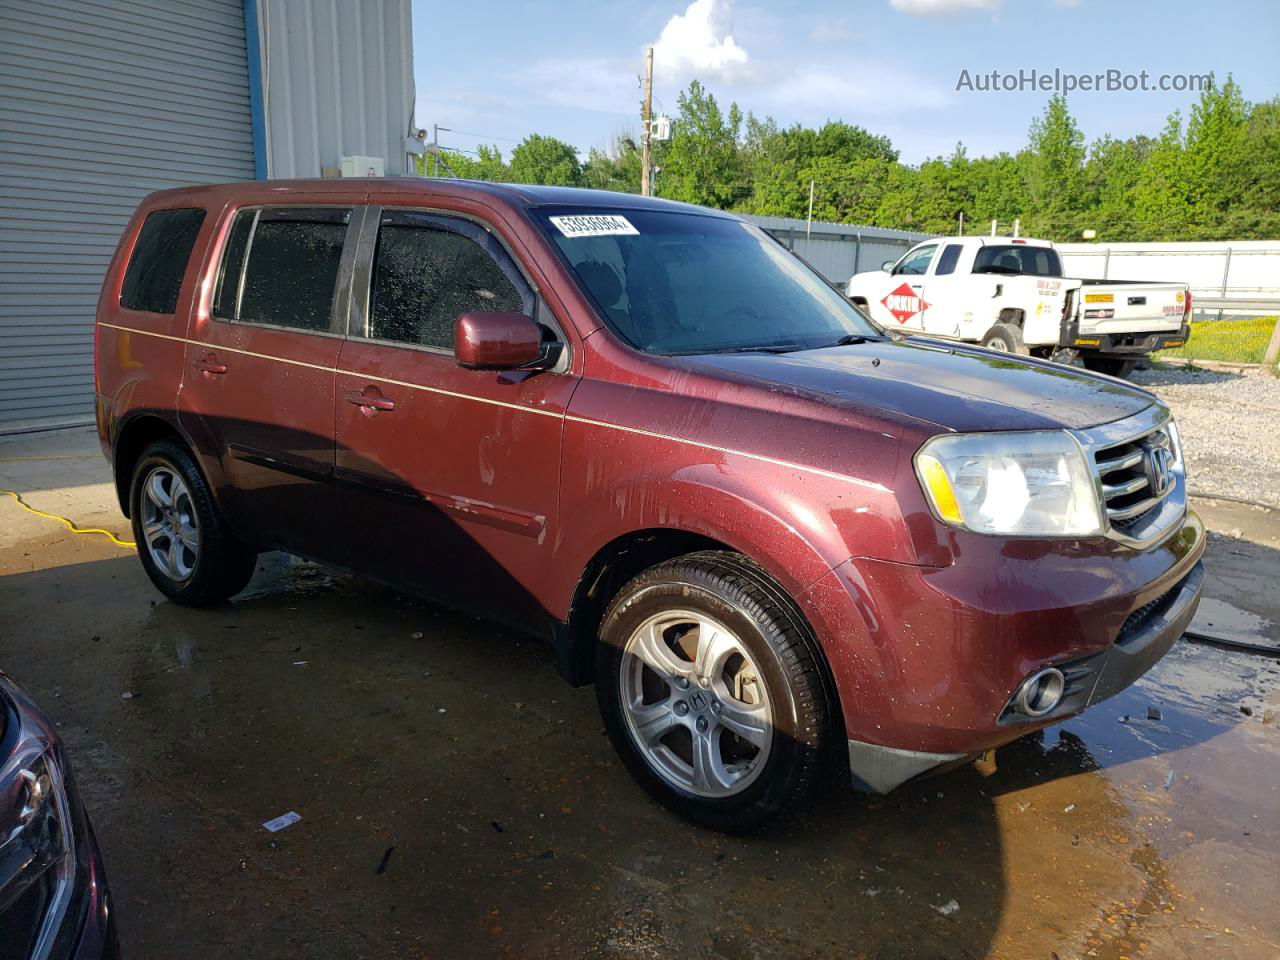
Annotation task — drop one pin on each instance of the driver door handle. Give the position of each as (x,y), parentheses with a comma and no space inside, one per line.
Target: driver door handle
(370,400)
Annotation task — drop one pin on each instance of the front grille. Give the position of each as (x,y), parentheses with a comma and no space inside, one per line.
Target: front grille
(1128,478)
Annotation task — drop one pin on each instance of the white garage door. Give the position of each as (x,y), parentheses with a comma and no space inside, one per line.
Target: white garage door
(100,103)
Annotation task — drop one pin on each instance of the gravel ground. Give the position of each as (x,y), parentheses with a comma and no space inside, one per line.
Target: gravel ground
(1230,428)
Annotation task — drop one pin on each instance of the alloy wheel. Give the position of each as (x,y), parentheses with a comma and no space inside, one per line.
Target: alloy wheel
(169,525)
(696,703)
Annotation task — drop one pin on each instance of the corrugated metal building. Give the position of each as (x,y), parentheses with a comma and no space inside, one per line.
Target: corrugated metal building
(104,102)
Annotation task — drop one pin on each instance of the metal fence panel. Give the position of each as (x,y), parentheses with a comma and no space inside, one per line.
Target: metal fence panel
(839,250)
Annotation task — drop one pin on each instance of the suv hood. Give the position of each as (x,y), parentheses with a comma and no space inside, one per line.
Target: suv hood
(960,388)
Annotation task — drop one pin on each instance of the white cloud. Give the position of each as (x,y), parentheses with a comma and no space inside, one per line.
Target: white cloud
(935,8)
(701,40)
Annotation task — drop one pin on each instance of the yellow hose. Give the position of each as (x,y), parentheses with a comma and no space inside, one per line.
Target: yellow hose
(127,544)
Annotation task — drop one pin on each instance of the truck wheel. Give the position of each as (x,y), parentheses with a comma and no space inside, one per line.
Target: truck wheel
(712,692)
(1005,338)
(185,546)
(1111,366)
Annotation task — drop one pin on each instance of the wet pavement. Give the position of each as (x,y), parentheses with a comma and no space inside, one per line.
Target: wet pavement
(458,800)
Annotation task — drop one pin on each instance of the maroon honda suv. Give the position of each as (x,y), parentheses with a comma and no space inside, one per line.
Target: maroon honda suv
(649,434)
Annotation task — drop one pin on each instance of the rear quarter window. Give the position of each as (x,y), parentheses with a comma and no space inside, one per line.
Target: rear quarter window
(159,260)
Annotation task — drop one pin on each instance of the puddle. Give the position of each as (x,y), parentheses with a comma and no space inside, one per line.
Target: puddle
(1220,619)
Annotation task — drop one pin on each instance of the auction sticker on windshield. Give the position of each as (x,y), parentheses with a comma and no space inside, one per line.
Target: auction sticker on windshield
(594,225)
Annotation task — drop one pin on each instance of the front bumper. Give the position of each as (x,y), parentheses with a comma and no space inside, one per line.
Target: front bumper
(1137,344)
(1149,633)
(926,660)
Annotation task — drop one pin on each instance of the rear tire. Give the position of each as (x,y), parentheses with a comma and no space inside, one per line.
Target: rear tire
(185,545)
(1111,366)
(712,691)
(1005,338)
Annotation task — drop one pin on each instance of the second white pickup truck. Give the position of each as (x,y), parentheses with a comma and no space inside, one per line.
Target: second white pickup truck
(1009,294)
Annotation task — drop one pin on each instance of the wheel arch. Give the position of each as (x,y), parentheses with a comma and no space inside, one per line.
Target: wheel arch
(1013,316)
(135,435)
(627,555)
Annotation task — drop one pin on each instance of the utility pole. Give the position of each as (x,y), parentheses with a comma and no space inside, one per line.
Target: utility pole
(648,107)
(435,148)
(808,227)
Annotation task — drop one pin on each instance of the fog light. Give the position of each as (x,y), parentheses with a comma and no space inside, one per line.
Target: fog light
(1041,692)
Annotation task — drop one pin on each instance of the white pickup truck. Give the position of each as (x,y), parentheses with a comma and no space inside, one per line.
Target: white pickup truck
(1009,294)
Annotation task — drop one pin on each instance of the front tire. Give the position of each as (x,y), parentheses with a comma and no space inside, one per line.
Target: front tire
(1111,366)
(712,692)
(186,547)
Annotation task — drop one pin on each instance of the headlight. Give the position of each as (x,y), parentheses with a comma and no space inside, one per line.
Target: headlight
(1018,484)
(37,846)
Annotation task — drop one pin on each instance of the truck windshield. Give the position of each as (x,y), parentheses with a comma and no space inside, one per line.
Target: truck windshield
(1019,258)
(680,283)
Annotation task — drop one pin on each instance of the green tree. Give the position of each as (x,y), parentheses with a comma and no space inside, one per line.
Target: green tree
(1162,207)
(702,164)
(486,164)
(1054,163)
(616,169)
(545,160)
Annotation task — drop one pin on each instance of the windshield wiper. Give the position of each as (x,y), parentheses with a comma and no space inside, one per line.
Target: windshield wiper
(762,348)
(851,338)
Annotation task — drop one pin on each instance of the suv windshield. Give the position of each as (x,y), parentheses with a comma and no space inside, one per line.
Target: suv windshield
(1036,261)
(680,283)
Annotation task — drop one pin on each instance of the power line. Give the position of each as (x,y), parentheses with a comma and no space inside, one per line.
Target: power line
(485,136)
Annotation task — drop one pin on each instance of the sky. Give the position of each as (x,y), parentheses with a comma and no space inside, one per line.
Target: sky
(493,72)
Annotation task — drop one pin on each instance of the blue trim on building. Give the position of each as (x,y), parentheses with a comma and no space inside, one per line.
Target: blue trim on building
(257,102)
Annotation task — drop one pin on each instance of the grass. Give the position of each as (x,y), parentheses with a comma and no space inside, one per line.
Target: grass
(1239,339)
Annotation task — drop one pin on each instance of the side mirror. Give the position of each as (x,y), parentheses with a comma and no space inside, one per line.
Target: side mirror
(496,341)
(887,266)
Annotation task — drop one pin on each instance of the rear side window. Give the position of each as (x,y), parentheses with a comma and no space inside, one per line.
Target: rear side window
(423,277)
(1020,258)
(280,267)
(159,260)
(947,262)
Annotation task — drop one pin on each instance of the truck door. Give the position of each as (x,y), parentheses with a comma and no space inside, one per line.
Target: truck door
(904,304)
(946,293)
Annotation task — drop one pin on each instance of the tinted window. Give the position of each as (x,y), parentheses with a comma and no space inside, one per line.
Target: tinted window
(917,263)
(1019,258)
(424,277)
(159,260)
(688,283)
(281,267)
(947,262)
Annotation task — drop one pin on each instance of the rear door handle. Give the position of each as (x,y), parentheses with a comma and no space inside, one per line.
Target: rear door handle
(370,400)
(209,364)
